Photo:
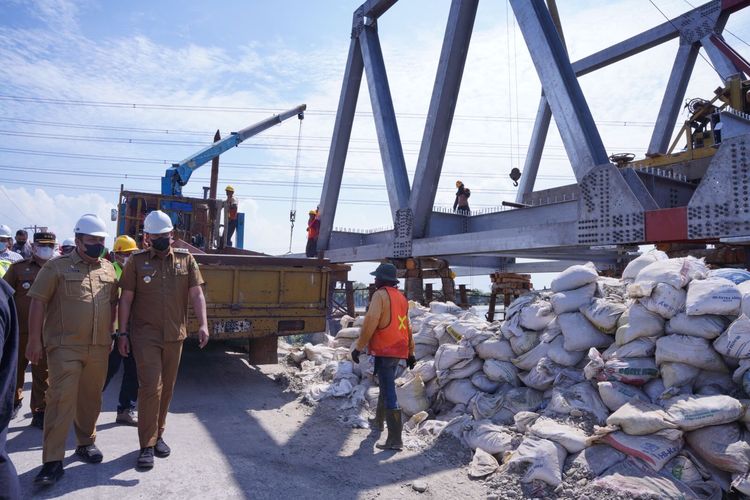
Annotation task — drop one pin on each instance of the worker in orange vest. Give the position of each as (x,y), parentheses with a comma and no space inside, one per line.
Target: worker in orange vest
(313,230)
(387,334)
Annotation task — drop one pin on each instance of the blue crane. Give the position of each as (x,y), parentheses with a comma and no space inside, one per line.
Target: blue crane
(179,174)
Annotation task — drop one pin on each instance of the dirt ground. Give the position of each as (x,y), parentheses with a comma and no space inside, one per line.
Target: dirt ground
(235,433)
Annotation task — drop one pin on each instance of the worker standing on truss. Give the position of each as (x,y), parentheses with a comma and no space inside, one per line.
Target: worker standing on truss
(461,205)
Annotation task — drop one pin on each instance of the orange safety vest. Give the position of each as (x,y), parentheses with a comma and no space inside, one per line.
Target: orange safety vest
(393,340)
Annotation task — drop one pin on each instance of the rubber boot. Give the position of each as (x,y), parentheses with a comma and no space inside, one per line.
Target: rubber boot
(393,421)
(379,421)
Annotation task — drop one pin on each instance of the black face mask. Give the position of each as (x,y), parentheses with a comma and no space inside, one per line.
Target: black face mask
(160,244)
(95,250)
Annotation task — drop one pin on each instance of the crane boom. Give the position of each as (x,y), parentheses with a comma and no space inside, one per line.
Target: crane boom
(179,174)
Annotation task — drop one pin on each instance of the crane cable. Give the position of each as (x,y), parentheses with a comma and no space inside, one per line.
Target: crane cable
(295,185)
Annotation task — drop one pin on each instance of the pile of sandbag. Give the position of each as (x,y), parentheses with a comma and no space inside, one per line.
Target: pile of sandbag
(612,375)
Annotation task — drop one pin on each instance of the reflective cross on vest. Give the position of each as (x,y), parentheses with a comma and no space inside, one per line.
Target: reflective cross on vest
(393,340)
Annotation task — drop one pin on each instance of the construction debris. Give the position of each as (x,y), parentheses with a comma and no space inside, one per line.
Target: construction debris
(633,388)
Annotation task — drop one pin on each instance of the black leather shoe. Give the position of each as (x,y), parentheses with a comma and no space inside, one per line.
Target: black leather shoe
(37,419)
(161,449)
(90,453)
(51,473)
(146,458)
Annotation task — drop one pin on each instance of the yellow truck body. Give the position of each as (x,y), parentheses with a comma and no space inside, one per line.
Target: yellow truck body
(256,296)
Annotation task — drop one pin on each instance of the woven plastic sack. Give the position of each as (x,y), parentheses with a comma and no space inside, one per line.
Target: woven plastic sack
(665,300)
(638,322)
(713,296)
(604,313)
(635,265)
(693,351)
(579,334)
(572,300)
(575,277)
(707,326)
(735,341)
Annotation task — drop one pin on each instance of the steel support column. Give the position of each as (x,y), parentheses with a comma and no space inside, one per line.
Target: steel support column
(673,97)
(342,131)
(572,115)
(721,63)
(394,167)
(440,114)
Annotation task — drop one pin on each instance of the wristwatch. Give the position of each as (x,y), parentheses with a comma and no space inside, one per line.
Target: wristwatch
(116,335)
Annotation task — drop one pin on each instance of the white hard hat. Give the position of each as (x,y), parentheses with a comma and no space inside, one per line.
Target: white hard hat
(92,225)
(5,231)
(157,222)
(68,242)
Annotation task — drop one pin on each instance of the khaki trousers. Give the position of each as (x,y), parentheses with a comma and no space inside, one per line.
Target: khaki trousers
(76,378)
(157,363)
(38,377)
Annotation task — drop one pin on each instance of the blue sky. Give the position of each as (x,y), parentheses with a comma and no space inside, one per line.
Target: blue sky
(58,160)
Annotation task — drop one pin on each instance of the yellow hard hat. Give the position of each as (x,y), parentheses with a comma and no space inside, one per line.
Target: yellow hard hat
(230,189)
(459,183)
(125,244)
(313,212)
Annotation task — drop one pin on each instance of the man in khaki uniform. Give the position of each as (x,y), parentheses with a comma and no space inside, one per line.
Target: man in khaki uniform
(75,297)
(21,276)
(157,284)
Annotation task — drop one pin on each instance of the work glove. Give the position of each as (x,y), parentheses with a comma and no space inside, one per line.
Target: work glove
(355,355)
(411,361)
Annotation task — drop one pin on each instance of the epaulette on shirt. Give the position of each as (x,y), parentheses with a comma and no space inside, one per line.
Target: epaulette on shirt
(140,251)
(181,250)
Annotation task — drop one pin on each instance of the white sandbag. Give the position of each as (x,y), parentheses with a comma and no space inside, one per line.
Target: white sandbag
(557,353)
(349,333)
(529,360)
(542,376)
(635,265)
(695,412)
(735,341)
(483,382)
(616,394)
(545,459)
(465,371)
(484,435)
(444,308)
(638,322)
(665,300)
(713,296)
(678,374)
(694,351)
(707,326)
(575,277)
(596,459)
(411,395)
(582,397)
(571,438)
(501,371)
(459,391)
(682,468)
(431,389)
(604,313)
(579,334)
(631,478)
(551,332)
(572,300)
(675,272)
(466,328)
(712,383)
(522,399)
(654,389)
(642,347)
(495,349)
(482,464)
(524,419)
(736,276)
(422,351)
(641,418)
(319,354)
(656,451)
(425,369)
(536,315)
(633,371)
(723,446)
(449,355)
(485,406)
(521,344)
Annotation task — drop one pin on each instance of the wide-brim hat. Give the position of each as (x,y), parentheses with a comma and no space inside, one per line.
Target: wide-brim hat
(385,272)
